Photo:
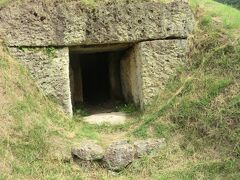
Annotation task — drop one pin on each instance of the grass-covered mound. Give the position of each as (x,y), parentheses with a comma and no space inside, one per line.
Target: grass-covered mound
(234,3)
(198,113)
(35,137)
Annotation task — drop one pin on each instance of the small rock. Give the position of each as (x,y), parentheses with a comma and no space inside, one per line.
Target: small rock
(88,151)
(118,155)
(144,147)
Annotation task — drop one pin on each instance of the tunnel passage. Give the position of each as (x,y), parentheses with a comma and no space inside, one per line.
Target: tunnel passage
(96,79)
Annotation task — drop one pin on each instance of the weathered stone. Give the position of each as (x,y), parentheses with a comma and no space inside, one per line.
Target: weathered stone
(113,118)
(88,151)
(67,23)
(144,147)
(148,66)
(160,61)
(118,155)
(145,69)
(150,37)
(50,69)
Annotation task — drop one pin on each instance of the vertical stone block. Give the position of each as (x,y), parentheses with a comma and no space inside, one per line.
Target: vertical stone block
(159,61)
(131,76)
(49,67)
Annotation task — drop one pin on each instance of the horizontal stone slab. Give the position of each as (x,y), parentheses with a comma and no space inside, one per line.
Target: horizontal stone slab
(69,23)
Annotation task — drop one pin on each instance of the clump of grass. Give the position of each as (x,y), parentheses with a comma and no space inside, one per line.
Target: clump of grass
(127,108)
(50,52)
(80,111)
(223,15)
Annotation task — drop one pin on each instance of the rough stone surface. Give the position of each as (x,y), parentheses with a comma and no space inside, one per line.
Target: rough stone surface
(131,75)
(118,155)
(50,69)
(88,151)
(67,23)
(145,69)
(144,147)
(39,33)
(159,62)
(112,118)
(148,66)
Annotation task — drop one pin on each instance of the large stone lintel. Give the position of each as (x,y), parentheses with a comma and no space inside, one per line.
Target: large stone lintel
(69,23)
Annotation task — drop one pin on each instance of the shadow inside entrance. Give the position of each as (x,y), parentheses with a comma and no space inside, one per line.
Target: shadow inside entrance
(96,81)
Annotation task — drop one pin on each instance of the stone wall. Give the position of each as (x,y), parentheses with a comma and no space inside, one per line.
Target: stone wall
(40,33)
(76,80)
(114,76)
(147,67)
(50,69)
(159,61)
(131,76)
(68,23)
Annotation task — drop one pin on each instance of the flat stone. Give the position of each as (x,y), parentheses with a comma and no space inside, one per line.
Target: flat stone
(113,118)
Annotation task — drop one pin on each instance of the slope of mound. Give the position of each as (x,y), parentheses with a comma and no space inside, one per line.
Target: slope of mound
(198,113)
(34,135)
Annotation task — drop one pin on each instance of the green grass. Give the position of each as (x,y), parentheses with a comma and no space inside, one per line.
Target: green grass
(35,135)
(127,108)
(198,113)
(234,3)
(201,104)
(190,104)
(225,15)
(4,2)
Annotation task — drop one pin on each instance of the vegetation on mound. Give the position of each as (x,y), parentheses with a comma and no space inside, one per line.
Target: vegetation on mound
(198,113)
(199,110)
(34,134)
(234,3)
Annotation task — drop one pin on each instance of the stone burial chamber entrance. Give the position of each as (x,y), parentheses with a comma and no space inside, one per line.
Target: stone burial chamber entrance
(95,77)
(98,55)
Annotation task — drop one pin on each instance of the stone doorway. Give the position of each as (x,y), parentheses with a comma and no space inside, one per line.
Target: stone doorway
(95,78)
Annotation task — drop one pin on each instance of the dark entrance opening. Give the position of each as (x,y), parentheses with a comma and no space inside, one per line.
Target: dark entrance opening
(96,80)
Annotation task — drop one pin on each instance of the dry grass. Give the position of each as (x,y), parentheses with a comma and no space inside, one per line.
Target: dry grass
(34,133)
(199,117)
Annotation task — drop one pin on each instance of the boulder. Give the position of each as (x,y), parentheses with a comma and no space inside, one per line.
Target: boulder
(88,151)
(118,155)
(144,147)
